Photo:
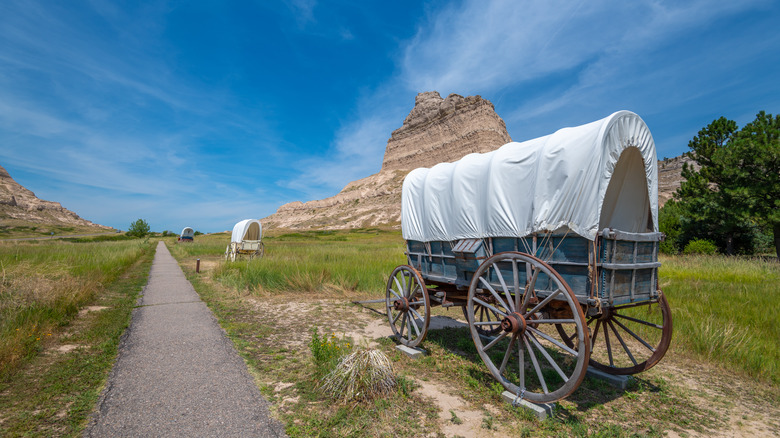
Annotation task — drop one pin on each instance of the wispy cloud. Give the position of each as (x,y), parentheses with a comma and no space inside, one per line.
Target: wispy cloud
(489,47)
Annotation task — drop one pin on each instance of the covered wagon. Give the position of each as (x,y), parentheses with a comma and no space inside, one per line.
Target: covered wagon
(187,235)
(550,246)
(246,240)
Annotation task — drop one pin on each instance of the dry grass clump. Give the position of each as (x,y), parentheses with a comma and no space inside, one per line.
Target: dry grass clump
(362,375)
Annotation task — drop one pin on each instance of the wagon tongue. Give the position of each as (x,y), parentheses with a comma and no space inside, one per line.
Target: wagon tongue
(513,323)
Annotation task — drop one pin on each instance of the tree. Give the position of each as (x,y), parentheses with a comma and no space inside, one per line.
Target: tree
(139,228)
(757,171)
(736,191)
(710,211)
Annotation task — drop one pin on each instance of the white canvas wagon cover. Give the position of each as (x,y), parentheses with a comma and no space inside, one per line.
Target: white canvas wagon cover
(247,229)
(187,232)
(585,178)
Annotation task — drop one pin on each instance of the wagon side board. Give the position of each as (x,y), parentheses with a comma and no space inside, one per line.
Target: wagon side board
(618,268)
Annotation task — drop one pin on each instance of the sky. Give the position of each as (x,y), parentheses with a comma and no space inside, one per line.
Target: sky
(204,113)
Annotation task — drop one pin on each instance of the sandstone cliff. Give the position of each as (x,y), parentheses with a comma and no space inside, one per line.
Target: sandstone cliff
(444,130)
(670,176)
(436,130)
(19,204)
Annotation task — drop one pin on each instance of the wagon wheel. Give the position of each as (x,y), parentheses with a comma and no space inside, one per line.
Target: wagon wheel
(408,305)
(233,252)
(258,252)
(484,314)
(635,337)
(227,253)
(531,298)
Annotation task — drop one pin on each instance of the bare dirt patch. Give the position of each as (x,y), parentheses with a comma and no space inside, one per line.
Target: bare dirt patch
(66,348)
(88,309)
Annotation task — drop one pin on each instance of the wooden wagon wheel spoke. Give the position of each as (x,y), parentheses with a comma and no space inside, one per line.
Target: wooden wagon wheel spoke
(536,365)
(507,292)
(494,341)
(547,369)
(545,301)
(554,341)
(643,331)
(638,320)
(622,343)
(521,365)
(529,288)
(630,332)
(487,321)
(489,306)
(547,356)
(507,355)
(400,288)
(609,345)
(495,294)
(408,305)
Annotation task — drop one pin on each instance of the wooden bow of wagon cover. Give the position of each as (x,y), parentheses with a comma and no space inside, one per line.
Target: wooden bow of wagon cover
(550,247)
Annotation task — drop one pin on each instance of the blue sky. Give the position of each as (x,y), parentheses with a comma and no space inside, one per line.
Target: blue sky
(203,113)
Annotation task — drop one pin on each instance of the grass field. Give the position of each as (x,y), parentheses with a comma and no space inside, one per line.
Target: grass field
(43,284)
(726,310)
(317,261)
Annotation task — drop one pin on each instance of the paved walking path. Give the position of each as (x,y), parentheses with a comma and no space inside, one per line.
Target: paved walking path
(177,373)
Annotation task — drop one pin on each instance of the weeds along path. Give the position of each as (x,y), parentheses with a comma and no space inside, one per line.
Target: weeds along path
(177,374)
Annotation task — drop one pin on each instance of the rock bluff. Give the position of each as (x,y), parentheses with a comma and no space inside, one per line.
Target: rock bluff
(17,202)
(436,130)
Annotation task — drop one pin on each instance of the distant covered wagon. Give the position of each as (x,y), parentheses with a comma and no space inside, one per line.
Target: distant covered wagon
(246,239)
(187,235)
(550,246)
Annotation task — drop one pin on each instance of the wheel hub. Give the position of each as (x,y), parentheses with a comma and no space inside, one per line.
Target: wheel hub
(514,323)
(606,314)
(401,305)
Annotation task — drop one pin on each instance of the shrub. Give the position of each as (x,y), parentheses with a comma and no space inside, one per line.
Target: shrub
(362,375)
(700,246)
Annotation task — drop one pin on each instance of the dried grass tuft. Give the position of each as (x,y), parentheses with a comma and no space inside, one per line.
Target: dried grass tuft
(362,375)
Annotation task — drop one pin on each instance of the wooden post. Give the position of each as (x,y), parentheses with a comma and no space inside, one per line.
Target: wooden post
(197,266)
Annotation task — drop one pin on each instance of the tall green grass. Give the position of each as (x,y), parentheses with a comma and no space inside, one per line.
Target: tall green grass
(316,261)
(43,285)
(726,310)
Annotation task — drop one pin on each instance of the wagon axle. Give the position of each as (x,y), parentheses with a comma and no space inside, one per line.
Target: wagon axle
(514,323)
(401,305)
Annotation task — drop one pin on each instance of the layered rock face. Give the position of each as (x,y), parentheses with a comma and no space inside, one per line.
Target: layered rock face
(670,176)
(16,202)
(444,130)
(436,130)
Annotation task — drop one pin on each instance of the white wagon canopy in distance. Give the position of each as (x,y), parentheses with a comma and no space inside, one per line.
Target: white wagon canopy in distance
(584,179)
(187,234)
(246,239)
(247,229)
